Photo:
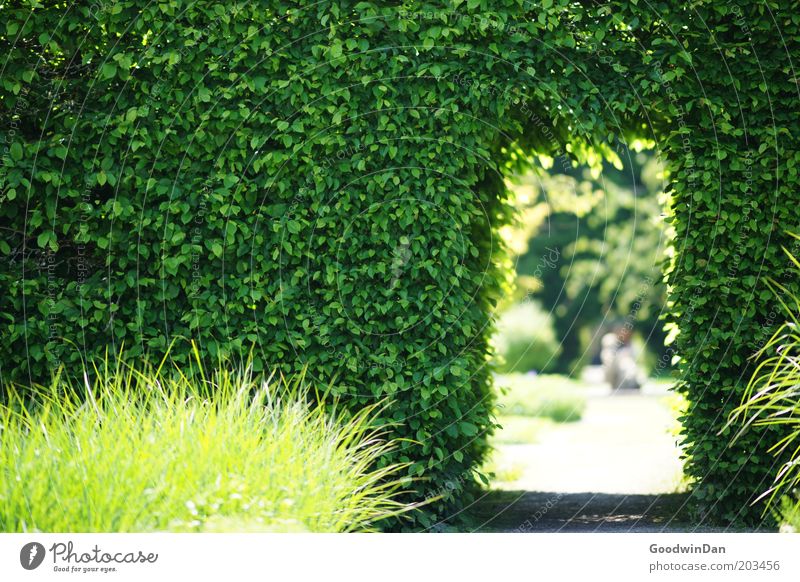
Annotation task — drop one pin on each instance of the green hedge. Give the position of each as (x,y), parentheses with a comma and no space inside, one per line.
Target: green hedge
(325,182)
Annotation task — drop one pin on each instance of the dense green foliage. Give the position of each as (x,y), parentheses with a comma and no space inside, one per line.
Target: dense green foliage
(151,453)
(326,181)
(733,164)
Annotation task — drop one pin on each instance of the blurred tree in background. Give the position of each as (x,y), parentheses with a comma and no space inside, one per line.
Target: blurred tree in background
(590,246)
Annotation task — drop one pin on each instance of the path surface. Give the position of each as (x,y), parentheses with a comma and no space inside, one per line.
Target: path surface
(622,444)
(548,512)
(615,470)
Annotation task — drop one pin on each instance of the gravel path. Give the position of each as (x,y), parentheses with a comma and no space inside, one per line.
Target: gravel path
(549,512)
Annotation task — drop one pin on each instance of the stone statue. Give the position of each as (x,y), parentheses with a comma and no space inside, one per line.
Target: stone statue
(618,357)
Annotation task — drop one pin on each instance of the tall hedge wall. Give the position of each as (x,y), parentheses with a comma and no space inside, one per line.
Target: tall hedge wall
(324,181)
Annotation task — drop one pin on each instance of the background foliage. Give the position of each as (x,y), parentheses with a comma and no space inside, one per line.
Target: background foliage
(326,182)
(525,339)
(591,250)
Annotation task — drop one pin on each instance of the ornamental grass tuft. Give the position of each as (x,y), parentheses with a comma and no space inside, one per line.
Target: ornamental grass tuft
(140,450)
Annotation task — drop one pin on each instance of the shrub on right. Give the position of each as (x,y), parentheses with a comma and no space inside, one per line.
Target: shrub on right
(773,399)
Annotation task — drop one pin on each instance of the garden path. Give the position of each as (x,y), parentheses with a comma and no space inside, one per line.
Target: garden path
(618,469)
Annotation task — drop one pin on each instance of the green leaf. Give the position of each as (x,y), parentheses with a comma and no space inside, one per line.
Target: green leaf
(468,429)
(108,70)
(43,239)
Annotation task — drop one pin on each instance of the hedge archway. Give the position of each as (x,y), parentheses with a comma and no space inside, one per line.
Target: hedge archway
(325,182)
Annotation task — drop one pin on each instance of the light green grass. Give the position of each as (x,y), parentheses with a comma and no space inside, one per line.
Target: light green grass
(142,452)
(554,397)
(789,515)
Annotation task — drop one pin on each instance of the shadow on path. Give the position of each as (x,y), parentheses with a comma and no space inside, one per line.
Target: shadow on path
(548,512)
